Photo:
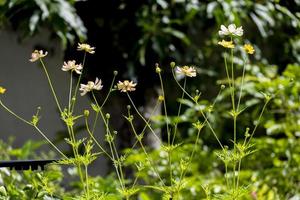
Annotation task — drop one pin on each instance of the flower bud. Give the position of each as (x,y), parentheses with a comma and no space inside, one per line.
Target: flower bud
(172,64)
(86,113)
(161,98)
(157,70)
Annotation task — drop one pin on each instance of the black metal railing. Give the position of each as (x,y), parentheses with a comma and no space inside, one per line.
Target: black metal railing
(26,164)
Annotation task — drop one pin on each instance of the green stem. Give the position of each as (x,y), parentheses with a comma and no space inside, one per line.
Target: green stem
(234,150)
(94,139)
(14,114)
(78,82)
(119,173)
(242,85)
(190,160)
(258,121)
(178,113)
(233,81)
(141,116)
(168,130)
(206,120)
(145,152)
(70,92)
(110,90)
(51,143)
(226,175)
(95,122)
(51,86)
(29,123)
(238,177)
(106,98)
(87,181)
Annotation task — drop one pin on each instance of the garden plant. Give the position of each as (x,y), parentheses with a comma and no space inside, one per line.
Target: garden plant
(166,172)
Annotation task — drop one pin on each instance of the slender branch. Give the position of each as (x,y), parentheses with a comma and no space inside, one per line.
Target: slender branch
(51,86)
(78,82)
(141,116)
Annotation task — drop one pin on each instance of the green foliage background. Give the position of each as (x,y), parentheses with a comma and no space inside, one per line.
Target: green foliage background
(185,32)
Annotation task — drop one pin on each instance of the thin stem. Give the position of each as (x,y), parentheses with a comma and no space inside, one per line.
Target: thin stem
(51,143)
(238,177)
(258,121)
(234,150)
(165,107)
(76,153)
(190,159)
(135,181)
(31,124)
(141,116)
(70,92)
(119,173)
(110,90)
(145,152)
(115,165)
(233,81)
(168,130)
(145,126)
(106,98)
(179,111)
(78,82)
(87,181)
(95,122)
(94,139)
(242,85)
(14,114)
(183,89)
(206,120)
(51,86)
(226,175)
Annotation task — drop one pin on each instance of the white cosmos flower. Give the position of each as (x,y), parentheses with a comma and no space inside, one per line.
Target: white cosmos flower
(71,65)
(186,71)
(37,54)
(97,85)
(126,86)
(231,30)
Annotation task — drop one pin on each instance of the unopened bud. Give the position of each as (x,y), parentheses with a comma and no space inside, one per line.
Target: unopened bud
(157,70)
(161,98)
(86,113)
(172,64)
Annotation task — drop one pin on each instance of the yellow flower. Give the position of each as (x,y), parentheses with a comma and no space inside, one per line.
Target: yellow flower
(161,98)
(2,90)
(226,44)
(86,47)
(37,54)
(126,86)
(186,71)
(249,48)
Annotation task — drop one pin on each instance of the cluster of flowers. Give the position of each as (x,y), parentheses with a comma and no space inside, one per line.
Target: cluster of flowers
(231,31)
(123,86)
(129,86)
